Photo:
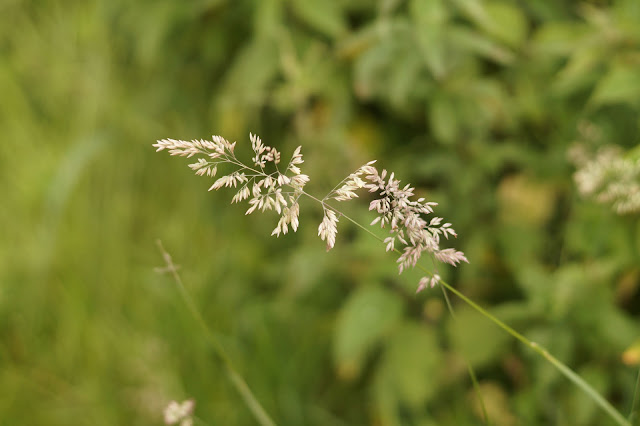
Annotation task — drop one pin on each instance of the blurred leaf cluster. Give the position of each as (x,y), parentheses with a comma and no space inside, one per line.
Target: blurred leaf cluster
(474,102)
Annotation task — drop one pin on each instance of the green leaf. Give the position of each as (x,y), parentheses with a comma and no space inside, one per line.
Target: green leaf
(475,42)
(245,86)
(384,61)
(411,363)
(501,21)
(627,15)
(321,15)
(560,38)
(370,67)
(367,316)
(402,84)
(254,67)
(429,18)
(620,84)
(428,12)
(479,340)
(505,23)
(580,71)
(473,9)
(358,41)
(443,119)
(268,18)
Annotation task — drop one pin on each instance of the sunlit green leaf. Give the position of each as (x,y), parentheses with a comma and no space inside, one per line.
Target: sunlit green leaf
(580,71)
(620,84)
(560,38)
(479,341)
(505,22)
(411,363)
(474,9)
(477,43)
(253,68)
(367,316)
(269,17)
(321,15)
(429,18)
(443,119)
(428,12)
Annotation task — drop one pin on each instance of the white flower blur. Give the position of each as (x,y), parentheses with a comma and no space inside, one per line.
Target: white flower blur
(176,413)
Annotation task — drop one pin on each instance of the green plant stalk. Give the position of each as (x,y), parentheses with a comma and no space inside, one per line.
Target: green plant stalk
(472,373)
(236,379)
(563,368)
(632,411)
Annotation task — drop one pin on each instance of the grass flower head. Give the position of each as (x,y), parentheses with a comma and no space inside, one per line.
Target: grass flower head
(267,186)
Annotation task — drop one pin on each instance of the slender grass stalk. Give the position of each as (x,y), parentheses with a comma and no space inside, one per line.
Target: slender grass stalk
(472,373)
(563,368)
(236,379)
(632,412)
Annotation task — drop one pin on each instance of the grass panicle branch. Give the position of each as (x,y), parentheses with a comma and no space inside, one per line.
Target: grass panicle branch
(235,378)
(266,187)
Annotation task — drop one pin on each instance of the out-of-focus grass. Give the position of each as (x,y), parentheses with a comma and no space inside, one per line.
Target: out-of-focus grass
(90,334)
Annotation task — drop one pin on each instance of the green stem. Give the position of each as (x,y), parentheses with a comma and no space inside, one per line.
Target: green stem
(472,373)
(566,371)
(236,379)
(632,414)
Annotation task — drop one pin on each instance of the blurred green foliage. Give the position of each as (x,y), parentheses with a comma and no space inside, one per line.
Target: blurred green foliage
(475,102)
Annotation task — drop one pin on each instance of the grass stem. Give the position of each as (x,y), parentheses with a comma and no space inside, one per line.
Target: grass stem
(236,379)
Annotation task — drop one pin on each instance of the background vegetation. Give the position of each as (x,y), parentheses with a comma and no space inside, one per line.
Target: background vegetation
(475,102)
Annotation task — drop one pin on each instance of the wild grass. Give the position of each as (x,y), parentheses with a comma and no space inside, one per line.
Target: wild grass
(406,219)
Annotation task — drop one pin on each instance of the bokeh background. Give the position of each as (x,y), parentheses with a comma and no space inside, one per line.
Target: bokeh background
(476,103)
